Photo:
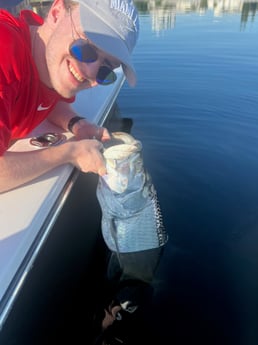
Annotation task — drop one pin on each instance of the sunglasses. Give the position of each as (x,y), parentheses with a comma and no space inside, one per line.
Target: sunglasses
(83,51)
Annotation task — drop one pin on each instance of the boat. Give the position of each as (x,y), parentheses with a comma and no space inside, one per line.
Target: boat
(31,213)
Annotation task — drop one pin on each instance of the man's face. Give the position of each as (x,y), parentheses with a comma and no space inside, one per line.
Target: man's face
(67,74)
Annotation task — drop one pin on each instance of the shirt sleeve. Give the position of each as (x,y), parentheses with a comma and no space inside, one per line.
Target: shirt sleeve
(5,132)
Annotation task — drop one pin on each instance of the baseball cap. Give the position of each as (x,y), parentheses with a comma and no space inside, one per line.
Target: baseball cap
(113,26)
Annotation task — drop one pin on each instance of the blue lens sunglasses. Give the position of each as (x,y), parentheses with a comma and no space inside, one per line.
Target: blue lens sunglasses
(83,51)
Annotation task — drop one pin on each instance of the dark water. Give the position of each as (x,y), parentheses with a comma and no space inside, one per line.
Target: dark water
(195,109)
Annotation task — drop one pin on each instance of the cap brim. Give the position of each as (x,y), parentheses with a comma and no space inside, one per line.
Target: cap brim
(115,47)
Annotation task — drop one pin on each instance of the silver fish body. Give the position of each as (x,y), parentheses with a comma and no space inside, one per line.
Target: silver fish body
(131,214)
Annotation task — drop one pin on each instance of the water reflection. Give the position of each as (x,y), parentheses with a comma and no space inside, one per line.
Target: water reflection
(163,13)
(133,229)
(249,10)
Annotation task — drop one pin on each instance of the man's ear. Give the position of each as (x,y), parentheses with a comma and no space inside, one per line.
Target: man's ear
(56,9)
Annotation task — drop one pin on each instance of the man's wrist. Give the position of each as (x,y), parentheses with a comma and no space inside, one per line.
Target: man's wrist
(73,121)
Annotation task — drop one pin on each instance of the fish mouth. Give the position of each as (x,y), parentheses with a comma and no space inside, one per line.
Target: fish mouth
(123,162)
(118,138)
(121,145)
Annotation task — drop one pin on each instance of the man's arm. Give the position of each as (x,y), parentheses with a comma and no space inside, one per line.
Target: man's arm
(63,113)
(17,168)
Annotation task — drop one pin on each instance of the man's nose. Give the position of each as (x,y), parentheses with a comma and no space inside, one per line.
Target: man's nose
(91,70)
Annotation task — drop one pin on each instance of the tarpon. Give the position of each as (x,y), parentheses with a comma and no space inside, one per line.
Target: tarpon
(131,214)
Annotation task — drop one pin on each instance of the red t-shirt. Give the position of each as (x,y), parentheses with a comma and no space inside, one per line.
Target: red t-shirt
(24,100)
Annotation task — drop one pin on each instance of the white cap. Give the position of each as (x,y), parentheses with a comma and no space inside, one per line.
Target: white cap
(113,26)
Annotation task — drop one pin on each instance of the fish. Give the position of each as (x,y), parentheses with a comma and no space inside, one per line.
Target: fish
(131,220)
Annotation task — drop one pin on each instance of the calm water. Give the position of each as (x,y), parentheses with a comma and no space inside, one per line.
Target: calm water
(195,109)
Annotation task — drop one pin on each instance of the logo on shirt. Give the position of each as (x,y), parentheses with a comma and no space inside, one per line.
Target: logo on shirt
(41,107)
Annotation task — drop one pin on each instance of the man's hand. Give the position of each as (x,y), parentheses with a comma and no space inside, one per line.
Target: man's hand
(86,156)
(86,130)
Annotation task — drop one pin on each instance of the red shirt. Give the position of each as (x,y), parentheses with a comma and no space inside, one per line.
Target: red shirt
(24,100)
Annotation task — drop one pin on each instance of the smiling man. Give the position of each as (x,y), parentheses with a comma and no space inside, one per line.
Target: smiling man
(44,64)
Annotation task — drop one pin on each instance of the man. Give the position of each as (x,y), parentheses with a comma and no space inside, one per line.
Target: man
(43,64)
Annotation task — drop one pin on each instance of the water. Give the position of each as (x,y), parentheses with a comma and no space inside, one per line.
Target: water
(195,111)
